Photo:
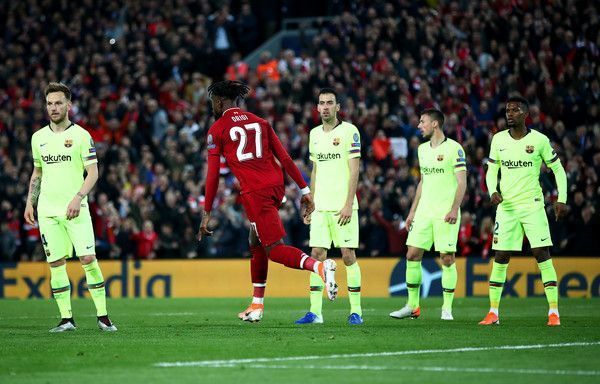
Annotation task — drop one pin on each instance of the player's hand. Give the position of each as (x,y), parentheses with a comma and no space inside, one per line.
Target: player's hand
(73,208)
(496,198)
(560,210)
(409,220)
(308,206)
(345,215)
(203,231)
(306,219)
(29,215)
(452,216)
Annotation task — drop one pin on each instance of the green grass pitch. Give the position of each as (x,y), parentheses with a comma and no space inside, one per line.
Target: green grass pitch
(211,345)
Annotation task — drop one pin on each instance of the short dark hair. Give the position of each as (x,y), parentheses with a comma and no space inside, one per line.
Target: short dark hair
(328,90)
(434,114)
(58,87)
(519,99)
(229,89)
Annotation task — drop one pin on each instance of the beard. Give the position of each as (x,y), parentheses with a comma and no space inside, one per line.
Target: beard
(59,119)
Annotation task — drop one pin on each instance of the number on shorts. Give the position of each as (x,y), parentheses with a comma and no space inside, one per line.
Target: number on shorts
(496,228)
(239,133)
(44,242)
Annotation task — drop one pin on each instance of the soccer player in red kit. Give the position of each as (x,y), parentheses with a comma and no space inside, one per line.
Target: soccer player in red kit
(251,148)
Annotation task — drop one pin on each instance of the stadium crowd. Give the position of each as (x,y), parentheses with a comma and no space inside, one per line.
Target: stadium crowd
(139,76)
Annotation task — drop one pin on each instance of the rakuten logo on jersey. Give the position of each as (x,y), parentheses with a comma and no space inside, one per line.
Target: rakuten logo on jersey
(431,170)
(54,159)
(511,164)
(328,156)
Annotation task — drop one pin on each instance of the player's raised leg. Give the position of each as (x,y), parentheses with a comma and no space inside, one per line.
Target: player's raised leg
(295,258)
(549,279)
(413,284)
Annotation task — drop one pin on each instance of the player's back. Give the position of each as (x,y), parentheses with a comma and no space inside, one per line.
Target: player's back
(245,140)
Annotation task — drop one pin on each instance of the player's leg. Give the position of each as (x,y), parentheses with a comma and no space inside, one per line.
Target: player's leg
(549,278)
(413,284)
(537,230)
(345,237)
(420,239)
(320,242)
(445,236)
(259,267)
(295,258)
(57,248)
(262,210)
(353,279)
(81,233)
(508,237)
(449,279)
(316,284)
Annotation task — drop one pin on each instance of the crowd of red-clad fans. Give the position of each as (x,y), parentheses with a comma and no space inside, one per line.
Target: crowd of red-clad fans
(139,73)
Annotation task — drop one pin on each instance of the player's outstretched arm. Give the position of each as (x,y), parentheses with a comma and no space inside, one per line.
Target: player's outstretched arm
(88,183)
(35,183)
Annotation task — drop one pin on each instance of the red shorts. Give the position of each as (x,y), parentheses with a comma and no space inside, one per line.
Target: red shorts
(262,209)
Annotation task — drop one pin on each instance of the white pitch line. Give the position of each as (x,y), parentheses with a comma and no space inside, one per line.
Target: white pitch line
(426,369)
(211,363)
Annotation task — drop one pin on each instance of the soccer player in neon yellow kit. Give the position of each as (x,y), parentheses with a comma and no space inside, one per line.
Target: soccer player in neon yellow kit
(334,148)
(434,216)
(57,189)
(518,153)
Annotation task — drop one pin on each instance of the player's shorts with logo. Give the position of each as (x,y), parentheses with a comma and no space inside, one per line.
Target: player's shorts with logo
(60,236)
(511,225)
(325,229)
(425,231)
(262,209)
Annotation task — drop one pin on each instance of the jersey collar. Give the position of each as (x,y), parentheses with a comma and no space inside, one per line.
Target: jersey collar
(443,141)
(50,127)
(229,109)
(526,133)
(334,127)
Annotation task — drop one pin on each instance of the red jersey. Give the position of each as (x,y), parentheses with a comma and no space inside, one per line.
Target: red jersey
(250,147)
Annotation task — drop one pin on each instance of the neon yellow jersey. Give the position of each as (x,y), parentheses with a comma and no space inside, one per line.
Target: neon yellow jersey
(63,157)
(438,167)
(520,162)
(330,151)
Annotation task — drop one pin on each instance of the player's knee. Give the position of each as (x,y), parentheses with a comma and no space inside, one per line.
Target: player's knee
(541,254)
(57,263)
(502,257)
(253,239)
(87,259)
(271,247)
(414,254)
(319,254)
(348,256)
(447,259)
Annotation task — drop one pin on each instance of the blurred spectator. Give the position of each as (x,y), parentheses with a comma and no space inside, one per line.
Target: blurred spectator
(146,241)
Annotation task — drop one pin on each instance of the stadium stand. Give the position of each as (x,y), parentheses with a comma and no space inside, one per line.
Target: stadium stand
(139,78)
